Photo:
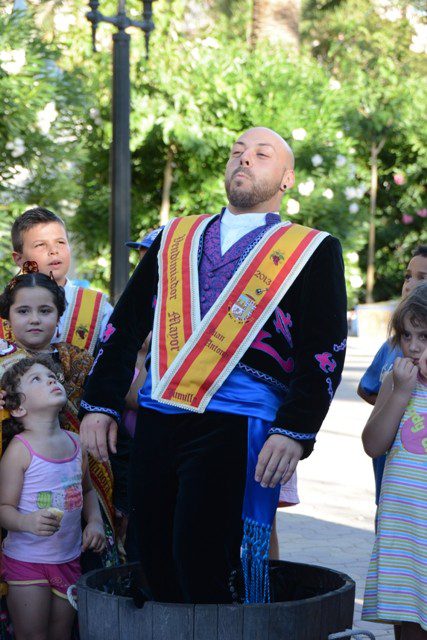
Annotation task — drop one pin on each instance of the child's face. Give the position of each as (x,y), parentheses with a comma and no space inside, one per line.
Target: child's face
(33,317)
(414,341)
(46,244)
(41,389)
(416,272)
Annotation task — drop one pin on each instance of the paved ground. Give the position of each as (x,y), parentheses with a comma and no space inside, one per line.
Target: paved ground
(333,524)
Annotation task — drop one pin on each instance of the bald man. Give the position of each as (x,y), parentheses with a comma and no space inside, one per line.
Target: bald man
(248,314)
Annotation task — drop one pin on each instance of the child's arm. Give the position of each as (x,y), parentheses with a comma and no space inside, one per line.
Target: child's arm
(93,533)
(394,395)
(13,465)
(370,398)
(132,395)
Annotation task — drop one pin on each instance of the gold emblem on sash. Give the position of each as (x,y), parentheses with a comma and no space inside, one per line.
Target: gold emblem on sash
(242,310)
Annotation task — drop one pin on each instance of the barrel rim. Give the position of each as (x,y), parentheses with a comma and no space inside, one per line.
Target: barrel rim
(348,584)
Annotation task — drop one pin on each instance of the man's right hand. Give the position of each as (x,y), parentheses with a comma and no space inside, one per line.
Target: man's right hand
(96,429)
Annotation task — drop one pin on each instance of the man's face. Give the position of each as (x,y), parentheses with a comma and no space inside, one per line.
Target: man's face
(257,170)
(46,244)
(416,272)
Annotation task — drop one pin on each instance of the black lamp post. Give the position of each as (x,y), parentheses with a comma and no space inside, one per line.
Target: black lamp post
(120,179)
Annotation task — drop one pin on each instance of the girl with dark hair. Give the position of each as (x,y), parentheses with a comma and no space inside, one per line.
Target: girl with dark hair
(396,586)
(45,488)
(32,303)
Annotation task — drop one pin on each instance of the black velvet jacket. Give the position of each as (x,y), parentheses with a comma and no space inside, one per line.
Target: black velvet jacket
(300,349)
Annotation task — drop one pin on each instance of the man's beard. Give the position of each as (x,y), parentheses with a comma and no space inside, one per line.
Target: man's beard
(259,191)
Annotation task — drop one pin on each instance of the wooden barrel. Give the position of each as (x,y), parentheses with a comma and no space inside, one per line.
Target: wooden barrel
(320,601)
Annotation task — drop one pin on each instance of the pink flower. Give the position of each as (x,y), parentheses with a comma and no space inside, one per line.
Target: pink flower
(406,219)
(422,213)
(399,179)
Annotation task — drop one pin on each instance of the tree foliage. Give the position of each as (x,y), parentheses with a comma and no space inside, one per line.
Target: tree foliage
(372,56)
(43,107)
(354,83)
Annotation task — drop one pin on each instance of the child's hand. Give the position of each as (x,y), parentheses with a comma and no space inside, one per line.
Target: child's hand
(120,524)
(94,537)
(404,375)
(422,364)
(41,523)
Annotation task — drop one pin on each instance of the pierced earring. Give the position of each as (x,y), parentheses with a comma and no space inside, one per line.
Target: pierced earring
(57,331)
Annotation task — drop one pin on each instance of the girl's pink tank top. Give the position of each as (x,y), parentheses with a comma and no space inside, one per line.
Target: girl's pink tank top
(50,483)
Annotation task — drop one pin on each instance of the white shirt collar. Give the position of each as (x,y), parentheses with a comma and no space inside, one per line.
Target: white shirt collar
(247,220)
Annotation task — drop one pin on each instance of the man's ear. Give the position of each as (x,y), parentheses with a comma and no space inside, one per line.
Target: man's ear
(18,258)
(19,412)
(288,180)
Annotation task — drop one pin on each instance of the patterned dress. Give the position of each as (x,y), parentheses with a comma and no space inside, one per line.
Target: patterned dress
(396,585)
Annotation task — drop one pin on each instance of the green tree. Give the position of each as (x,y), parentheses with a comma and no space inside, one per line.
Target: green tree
(353,84)
(189,104)
(372,56)
(42,108)
(276,21)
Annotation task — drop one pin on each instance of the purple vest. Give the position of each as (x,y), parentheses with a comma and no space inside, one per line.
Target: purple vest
(215,270)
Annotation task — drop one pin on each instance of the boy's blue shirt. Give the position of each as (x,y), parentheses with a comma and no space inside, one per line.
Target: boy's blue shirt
(381,364)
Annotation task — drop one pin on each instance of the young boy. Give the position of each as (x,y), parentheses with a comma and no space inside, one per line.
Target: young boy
(41,236)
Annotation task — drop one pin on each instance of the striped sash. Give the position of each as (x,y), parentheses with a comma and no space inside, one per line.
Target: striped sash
(83,321)
(6,332)
(191,358)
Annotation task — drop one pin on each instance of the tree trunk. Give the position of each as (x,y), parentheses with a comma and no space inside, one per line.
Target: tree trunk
(167,186)
(276,21)
(370,270)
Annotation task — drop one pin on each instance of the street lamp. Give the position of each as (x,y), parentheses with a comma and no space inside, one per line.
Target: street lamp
(120,179)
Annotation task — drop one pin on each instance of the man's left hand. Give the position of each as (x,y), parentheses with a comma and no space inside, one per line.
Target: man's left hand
(277,460)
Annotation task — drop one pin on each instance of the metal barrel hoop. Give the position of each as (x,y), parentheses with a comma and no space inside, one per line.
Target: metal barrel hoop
(352,633)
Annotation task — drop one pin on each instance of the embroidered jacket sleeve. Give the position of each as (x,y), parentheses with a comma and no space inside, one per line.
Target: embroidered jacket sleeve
(319,307)
(130,323)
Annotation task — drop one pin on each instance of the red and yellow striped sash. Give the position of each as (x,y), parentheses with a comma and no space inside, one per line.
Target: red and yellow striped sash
(191,357)
(6,332)
(100,472)
(83,321)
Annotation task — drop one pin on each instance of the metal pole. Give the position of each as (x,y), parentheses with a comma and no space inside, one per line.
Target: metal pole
(120,178)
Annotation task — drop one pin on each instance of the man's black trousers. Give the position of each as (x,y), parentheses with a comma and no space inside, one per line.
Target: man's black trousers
(188,474)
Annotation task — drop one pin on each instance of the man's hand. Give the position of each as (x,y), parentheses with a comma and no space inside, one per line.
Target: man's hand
(277,460)
(95,430)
